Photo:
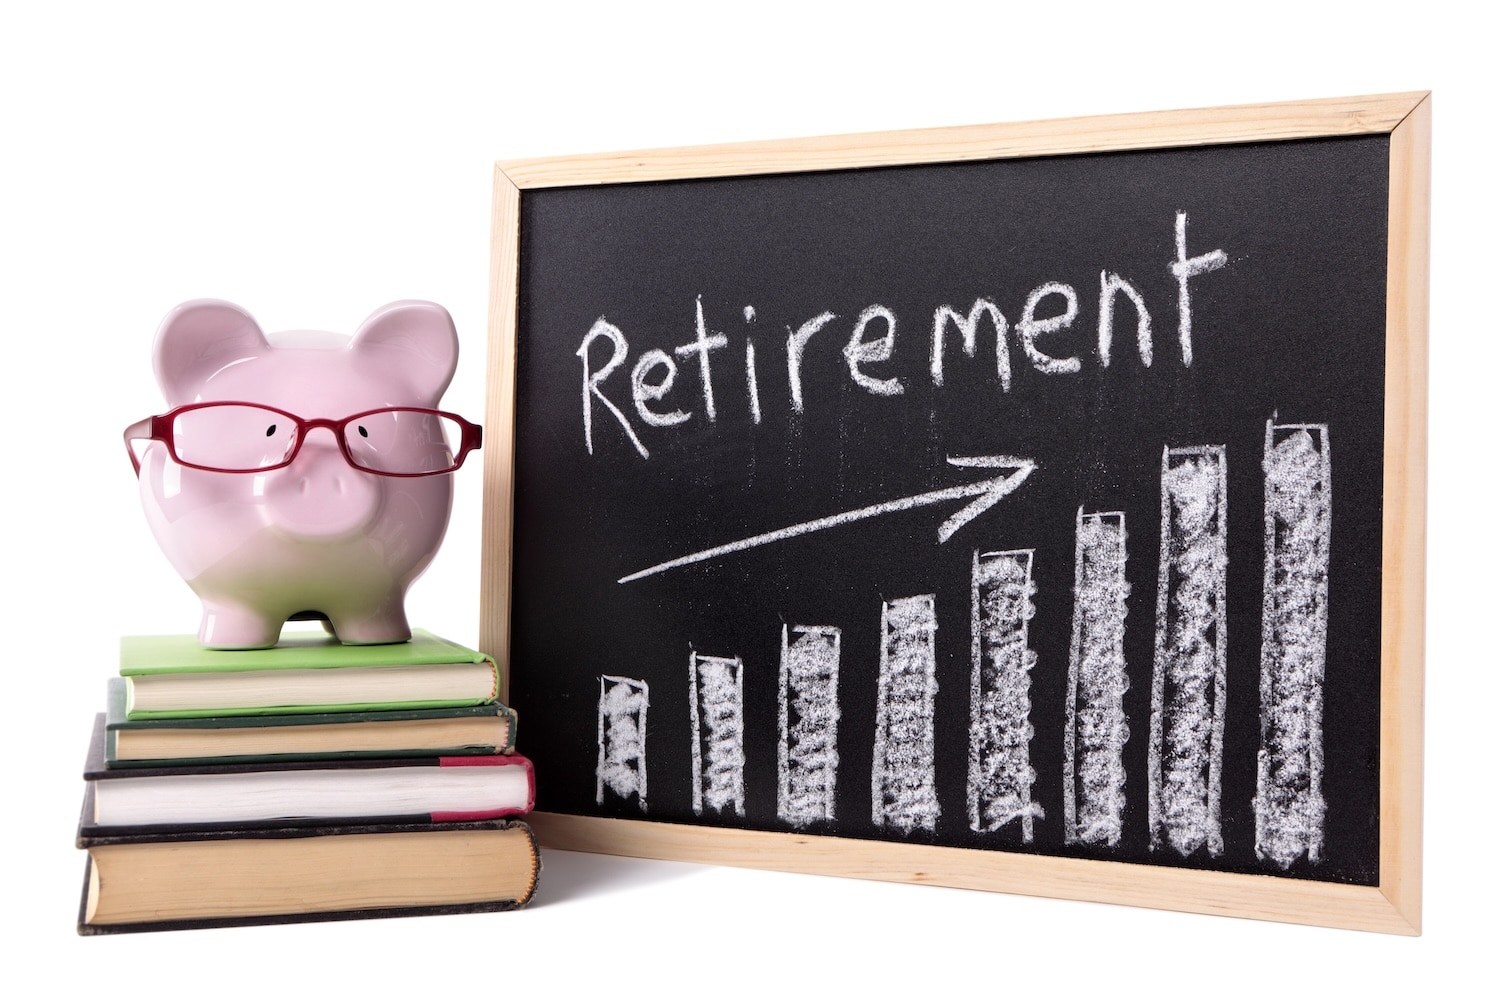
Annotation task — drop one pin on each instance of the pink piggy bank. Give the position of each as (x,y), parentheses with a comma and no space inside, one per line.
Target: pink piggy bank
(302,475)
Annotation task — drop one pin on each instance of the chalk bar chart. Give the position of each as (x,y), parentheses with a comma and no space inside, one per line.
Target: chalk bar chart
(1186,752)
(989,505)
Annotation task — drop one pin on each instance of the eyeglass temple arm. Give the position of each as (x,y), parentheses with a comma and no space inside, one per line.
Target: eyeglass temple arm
(147,429)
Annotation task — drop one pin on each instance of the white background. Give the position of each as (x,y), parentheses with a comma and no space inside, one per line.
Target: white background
(312,162)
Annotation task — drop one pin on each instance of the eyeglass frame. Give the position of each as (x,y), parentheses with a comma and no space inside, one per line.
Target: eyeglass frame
(159,428)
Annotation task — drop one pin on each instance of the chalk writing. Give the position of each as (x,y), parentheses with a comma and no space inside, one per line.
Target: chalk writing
(702,346)
(603,328)
(1185,267)
(1111,285)
(1050,307)
(968,328)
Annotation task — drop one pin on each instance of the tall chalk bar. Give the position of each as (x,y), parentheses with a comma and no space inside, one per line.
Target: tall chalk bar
(1000,731)
(717,692)
(1289,805)
(1095,729)
(903,785)
(807,763)
(1186,755)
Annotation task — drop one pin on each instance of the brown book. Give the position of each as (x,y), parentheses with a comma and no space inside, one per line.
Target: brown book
(182,879)
(476,729)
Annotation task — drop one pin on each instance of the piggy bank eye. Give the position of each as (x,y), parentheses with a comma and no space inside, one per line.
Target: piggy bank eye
(233,437)
(402,441)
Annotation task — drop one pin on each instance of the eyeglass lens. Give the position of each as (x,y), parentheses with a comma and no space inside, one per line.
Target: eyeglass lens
(233,437)
(240,438)
(402,441)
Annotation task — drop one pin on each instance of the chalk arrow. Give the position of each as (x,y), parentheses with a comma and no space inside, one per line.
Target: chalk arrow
(986,493)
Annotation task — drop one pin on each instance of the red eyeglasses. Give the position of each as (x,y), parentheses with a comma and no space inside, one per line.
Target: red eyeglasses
(247,437)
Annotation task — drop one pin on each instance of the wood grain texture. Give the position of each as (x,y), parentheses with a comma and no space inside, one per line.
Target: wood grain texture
(1221,893)
(1147,130)
(1403,569)
(500,431)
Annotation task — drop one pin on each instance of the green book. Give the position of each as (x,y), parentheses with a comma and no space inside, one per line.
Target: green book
(423,732)
(172,676)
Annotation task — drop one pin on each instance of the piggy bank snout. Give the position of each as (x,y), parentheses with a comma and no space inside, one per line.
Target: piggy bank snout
(320,495)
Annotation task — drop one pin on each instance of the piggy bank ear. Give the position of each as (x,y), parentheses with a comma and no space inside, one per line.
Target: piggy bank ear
(413,341)
(198,339)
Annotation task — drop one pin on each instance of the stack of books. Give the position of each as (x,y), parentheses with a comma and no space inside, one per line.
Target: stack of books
(310,781)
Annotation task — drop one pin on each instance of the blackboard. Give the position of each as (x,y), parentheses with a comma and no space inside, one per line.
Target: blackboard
(935,501)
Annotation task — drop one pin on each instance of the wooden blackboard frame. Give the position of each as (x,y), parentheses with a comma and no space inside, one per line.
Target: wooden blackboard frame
(1392,906)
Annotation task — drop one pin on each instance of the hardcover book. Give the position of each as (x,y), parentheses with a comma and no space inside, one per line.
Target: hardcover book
(184,879)
(381,790)
(469,729)
(172,676)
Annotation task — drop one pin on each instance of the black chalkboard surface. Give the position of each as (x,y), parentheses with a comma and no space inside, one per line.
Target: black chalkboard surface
(1029,504)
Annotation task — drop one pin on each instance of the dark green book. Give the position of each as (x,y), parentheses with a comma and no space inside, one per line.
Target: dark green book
(243,795)
(476,729)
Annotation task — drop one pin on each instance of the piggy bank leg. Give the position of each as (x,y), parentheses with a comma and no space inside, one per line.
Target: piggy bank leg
(314,616)
(387,624)
(234,626)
